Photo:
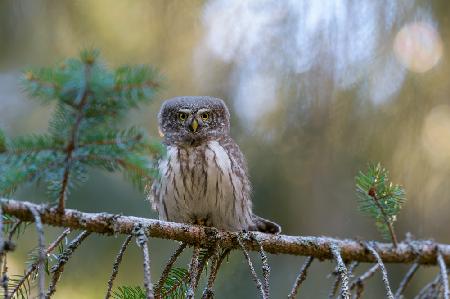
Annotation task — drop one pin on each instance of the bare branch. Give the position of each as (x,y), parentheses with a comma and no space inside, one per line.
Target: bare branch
(383,270)
(166,270)
(193,270)
(116,265)
(342,270)
(365,276)
(301,277)
(62,261)
(41,257)
(317,247)
(443,273)
(141,240)
(335,285)
(252,269)
(405,281)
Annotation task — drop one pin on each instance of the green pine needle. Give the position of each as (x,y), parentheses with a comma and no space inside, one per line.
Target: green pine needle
(84,130)
(125,292)
(380,198)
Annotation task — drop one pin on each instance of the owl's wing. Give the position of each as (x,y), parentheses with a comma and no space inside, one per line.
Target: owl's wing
(153,190)
(240,169)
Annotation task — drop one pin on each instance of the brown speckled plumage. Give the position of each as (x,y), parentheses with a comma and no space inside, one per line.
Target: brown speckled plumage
(204,175)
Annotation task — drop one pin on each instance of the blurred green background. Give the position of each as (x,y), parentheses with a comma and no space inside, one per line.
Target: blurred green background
(317,89)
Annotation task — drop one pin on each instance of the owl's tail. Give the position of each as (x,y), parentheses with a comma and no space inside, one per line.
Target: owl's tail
(266,226)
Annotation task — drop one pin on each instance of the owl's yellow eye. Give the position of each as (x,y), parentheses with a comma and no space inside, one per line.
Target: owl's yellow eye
(204,116)
(182,116)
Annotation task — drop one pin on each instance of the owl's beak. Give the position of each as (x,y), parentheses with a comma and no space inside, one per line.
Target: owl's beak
(194,125)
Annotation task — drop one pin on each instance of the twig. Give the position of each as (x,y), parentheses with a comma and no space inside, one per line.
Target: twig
(386,219)
(204,261)
(342,270)
(116,265)
(406,279)
(166,270)
(32,268)
(335,285)
(42,257)
(82,97)
(2,252)
(4,264)
(265,267)
(217,262)
(365,276)
(252,269)
(193,270)
(383,270)
(13,230)
(301,277)
(443,272)
(141,240)
(318,247)
(58,268)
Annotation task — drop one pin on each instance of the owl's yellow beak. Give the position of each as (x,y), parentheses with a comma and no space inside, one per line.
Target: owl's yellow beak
(194,125)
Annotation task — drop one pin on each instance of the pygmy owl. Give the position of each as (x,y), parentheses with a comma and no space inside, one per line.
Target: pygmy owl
(203,178)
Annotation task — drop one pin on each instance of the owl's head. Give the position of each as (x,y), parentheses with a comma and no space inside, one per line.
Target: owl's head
(193,120)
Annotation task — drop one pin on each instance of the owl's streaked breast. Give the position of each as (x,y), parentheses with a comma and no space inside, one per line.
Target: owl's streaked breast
(204,183)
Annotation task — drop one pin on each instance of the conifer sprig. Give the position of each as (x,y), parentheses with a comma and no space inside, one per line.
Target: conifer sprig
(90,101)
(380,198)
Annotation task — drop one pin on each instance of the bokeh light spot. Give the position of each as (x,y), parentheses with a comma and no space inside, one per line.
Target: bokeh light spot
(418,46)
(436,135)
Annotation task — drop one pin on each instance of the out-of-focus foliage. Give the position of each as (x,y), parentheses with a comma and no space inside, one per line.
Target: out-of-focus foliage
(84,131)
(378,197)
(129,293)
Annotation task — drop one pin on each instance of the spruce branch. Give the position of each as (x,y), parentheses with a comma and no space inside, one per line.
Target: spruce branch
(380,199)
(301,277)
(58,268)
(91,101)
(318,247)
(116,264)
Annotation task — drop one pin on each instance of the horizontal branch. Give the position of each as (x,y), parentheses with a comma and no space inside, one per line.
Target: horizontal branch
(421,251)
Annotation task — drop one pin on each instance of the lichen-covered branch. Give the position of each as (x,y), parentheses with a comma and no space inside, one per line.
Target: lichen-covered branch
(444,276)
(41,256)
(58,268)
(116,265)
(300,278)
(193,270)
(318,247)
(142,242)
(341,269)
(252,269)
(167,268)
(406,279)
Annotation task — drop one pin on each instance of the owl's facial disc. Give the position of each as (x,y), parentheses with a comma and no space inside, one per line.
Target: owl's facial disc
(193,120)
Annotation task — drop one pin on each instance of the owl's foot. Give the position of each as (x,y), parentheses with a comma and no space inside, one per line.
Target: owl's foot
(203,221)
